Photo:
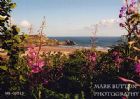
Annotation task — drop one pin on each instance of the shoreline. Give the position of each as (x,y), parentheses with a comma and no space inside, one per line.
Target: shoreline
(67,49)
(55,49)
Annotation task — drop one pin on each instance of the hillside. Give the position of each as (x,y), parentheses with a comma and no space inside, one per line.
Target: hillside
(35,39)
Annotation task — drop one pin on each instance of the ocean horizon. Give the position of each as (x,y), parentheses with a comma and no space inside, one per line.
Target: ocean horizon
(86,41)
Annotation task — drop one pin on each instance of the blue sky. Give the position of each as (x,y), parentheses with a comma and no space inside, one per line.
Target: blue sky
(70,17)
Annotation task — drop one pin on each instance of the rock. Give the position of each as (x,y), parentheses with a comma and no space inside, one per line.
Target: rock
(69,42)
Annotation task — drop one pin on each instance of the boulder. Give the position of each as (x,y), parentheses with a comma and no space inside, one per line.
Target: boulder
(70,43)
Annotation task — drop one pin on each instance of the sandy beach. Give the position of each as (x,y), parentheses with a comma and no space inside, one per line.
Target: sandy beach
(53,49)
(65,50)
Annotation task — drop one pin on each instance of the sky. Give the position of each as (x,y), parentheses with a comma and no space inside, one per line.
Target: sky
(69,17)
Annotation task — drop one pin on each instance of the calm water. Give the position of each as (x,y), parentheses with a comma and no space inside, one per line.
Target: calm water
(86,41)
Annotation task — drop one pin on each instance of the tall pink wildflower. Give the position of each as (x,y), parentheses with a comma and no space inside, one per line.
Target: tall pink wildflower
(34,62)
(127,9)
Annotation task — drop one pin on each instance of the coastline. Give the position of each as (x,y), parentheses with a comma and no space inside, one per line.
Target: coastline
(67,49)
(55,49)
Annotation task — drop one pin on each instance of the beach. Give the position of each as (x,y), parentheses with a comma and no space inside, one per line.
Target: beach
(66,50)
(54,49)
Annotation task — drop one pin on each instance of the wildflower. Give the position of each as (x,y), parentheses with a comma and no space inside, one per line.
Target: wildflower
(137,67)
(115,53)
(31,52)
(122,11)
(92,57)
(120,15)
(35,69)
(132,9)
(118,61)
(122,25)
(36,64)
(133,2)
(117,58)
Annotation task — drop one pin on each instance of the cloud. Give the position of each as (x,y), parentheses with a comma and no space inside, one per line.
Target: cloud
(106,27)
(104,23)
(108,22)
(25,24)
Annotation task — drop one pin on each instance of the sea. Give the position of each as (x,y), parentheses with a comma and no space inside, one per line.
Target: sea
(103,42)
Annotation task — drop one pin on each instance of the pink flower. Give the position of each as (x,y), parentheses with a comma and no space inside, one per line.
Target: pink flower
(137,67)
(31,52)
(133,2)
(34,62)
(115,53)
(118,61)
(40,63)
(35,70)
(122,25)
(122,11)
(132,9)
(92,57)
(117,58)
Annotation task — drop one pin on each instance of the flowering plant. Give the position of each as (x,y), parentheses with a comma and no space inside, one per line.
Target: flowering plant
(130,20)
(34,61)
(129,16)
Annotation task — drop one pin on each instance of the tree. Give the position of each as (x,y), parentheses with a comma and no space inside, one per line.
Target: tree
(11,42)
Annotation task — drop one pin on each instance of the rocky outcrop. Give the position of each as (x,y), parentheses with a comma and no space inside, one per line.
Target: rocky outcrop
(35,39)
(70,43)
